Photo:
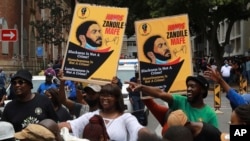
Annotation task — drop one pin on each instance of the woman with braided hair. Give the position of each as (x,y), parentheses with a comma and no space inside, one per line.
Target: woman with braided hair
(97,125)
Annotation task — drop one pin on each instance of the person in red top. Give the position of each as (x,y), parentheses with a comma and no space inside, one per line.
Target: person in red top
(160,112)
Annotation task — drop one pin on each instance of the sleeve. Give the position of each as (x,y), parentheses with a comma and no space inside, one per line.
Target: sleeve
(77,125)
(133,126)
(214,121)
(66,83)
(76,109)
(157,110)
(235,98)
(179,102)
(68,116)
(39,89)
(79,109)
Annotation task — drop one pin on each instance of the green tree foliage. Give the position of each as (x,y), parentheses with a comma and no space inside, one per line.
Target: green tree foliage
(204,17)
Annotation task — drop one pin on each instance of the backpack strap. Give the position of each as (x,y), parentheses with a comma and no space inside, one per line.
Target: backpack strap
(167,115)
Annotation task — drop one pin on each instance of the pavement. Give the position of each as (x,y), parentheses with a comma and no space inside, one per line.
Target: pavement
(225,110)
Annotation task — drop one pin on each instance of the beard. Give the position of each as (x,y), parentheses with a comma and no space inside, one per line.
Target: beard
(92,43)
(161,57)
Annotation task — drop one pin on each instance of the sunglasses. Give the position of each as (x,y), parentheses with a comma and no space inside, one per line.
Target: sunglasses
(20,82)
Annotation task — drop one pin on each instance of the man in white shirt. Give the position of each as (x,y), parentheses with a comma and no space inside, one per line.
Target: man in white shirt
(226,71)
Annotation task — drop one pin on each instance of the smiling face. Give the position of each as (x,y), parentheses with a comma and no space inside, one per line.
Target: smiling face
(111,98)
(161,49)
(21,87)
(193,91)
(108,101)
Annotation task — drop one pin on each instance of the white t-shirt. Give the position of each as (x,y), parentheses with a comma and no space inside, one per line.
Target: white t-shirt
(226,70)
(123,128)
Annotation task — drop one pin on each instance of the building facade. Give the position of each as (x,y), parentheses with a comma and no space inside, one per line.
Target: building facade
(18,14)
(27,51)
(239,38)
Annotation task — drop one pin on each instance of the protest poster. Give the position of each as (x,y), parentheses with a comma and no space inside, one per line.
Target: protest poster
(164,52)
(94,43)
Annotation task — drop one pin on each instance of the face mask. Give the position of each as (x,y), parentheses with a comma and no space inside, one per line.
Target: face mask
(226,65)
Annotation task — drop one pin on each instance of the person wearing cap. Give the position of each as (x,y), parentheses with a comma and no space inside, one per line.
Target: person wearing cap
(27,107)
(201,131)
(35,132)
(6,131)
(192,104)
(45,130)
(86,102)
(49,74)
(232,95)
(120,126)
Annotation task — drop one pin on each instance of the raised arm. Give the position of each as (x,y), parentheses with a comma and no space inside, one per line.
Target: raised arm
(62,96)
(235,98)
(151,91)
(215,75)
(80,95)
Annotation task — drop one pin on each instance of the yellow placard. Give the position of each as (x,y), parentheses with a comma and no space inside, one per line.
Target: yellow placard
(95,43)
(164,52)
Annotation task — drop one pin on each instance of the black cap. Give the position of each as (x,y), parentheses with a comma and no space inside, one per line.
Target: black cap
(202,81)
(23,74)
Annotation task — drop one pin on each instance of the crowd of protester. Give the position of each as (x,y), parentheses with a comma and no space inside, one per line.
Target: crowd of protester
(96,113)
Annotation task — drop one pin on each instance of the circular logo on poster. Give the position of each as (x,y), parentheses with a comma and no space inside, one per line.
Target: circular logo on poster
(144,29)
(83,12)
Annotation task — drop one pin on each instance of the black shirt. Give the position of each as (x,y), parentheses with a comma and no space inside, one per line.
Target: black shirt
(20,114)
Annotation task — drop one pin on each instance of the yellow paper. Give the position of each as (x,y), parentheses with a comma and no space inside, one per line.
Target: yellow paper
(164,52)
(95,43)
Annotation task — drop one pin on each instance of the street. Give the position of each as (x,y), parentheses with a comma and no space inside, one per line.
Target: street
(223,113)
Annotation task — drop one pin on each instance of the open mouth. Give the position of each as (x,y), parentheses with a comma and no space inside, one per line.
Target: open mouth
(189,95)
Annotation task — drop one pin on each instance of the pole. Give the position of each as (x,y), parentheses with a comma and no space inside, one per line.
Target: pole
(22,34)
(44,44)
(217,98)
